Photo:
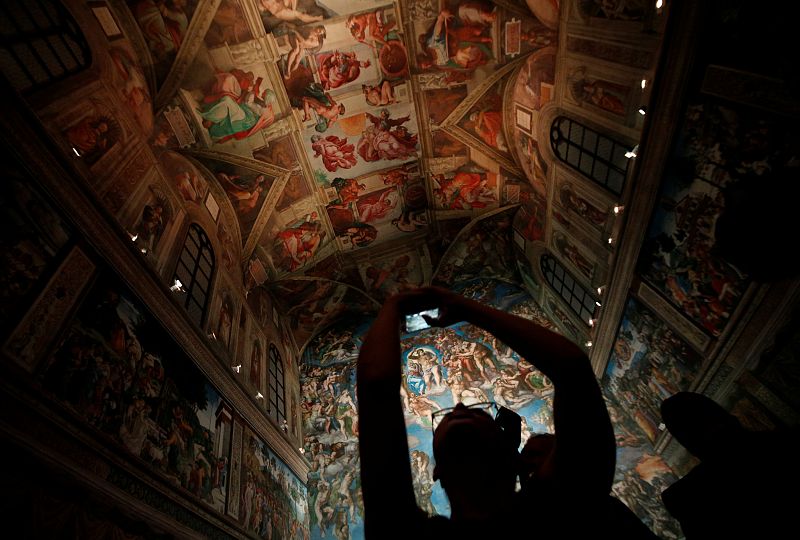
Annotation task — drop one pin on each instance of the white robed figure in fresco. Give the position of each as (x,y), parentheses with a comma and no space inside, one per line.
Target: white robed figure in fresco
(236,107)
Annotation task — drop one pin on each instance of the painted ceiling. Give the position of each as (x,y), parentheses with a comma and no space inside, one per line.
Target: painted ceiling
(341,146)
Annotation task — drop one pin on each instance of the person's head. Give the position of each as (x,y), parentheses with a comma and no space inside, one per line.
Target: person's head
(699,423)
(474,462)
(534,458)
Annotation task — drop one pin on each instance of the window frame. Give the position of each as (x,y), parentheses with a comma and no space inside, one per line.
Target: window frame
(204,252)
(55,34)
(276,382)
(551,268)
(590,157)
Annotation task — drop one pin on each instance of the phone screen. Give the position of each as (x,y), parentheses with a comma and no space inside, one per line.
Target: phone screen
(415,322)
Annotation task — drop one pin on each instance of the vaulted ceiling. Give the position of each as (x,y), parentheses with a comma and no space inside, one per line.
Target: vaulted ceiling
(340,147)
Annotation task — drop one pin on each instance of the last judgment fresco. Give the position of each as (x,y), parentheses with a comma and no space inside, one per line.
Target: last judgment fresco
(441,367)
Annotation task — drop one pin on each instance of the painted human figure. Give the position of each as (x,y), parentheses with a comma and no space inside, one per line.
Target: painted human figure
(379,94)
(90,138)
(150,226)
(225,321)
(348,189)
(244,194)
(286,10)
(596,92)
(376,206)
(298,243)
(489,126)
(464,191)
(370,28)
(255,365)
(335,152)
(339,68)
(386,138)
(315,99)
(583,207)
(236,107)
(457,49)
(303,43)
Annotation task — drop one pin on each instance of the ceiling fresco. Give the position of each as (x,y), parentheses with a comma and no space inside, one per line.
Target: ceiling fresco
(351,142)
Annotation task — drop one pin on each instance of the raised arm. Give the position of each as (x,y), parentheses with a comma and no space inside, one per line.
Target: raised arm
(585,446)
(386,482)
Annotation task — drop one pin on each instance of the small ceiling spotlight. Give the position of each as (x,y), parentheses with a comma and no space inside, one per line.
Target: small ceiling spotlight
(76,151)
(301,450)
(177,286)
(632,152)
(610,240)
(618,209)
(591,322)
(588,343)
(659,4)
(643,110)
(134,237)
(600,290)
(212,335)
(144,250)
(237,368)
(644,83)
(259,395)
(662,426)
(597,303)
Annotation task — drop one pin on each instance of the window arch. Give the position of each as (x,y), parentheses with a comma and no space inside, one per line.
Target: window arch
(594,155)
(277,389)
(194,270)
(573,293)
(40,43)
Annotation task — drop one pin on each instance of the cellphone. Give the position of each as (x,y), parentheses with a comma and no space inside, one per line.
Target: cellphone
(415,322)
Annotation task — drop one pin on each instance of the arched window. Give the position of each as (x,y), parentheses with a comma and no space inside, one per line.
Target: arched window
(195,270)
(277,390)
(572,292)
(600,158)
(40,43)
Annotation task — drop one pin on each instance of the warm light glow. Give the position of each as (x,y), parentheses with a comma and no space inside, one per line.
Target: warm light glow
(588,343)
(134,237)
(76,151)
(591,322)
(212,335)
(599,290)
(644,83)
(237,368)
(143,250)
(659,4)
(642,110)
(610,240)
(618,209)
(259,395)
(177,286)
(598,304)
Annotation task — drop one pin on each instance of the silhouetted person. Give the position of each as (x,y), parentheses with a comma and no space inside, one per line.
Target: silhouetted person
(474,461)
(746,483)
(608,516)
